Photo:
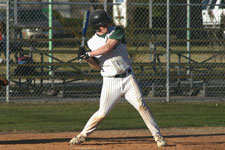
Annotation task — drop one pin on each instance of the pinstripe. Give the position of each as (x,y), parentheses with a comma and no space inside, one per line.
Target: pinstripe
(134,97)
(129,87)
(109,99)
(107,102)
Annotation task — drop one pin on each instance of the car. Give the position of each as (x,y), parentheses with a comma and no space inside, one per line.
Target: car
(213,12)
(213,19)
(33,24)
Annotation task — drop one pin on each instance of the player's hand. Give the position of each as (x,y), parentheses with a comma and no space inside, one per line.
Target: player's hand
(82,54)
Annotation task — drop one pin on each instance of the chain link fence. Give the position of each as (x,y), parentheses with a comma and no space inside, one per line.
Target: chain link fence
(177,41)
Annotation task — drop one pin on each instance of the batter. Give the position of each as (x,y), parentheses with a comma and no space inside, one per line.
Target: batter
(109,54)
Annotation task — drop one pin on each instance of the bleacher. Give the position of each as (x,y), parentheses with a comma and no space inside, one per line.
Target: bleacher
(186,78)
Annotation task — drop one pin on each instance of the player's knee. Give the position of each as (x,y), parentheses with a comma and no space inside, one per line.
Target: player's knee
(102,114)
(141,104)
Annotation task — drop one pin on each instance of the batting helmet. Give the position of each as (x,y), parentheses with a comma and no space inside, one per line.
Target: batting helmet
(99,18)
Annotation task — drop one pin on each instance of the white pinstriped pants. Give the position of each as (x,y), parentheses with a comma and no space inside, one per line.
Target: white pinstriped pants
(112,90)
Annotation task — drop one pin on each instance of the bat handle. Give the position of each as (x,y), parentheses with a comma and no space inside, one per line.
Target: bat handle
(83,40)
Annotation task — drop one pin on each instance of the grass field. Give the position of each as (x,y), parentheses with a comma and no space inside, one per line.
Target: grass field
(72,116)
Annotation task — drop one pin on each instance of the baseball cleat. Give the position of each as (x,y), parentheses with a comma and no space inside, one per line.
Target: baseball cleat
(160,141)
(77,140)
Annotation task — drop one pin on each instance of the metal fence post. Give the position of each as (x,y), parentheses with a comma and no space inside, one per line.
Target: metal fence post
(105,5)
(168,53)
(188,35)
(151,45)
(7,49)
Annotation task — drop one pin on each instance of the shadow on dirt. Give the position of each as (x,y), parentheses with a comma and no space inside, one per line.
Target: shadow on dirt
(102,141)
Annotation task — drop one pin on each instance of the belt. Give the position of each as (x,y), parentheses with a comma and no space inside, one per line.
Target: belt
(122,75)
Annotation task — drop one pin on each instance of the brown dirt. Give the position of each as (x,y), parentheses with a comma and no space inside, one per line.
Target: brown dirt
(206,138)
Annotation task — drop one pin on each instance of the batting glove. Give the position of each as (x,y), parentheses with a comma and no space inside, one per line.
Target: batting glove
(82,54)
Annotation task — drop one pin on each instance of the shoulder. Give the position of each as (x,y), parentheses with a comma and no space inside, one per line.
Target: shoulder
(95,42)
(117,33)
(116,30)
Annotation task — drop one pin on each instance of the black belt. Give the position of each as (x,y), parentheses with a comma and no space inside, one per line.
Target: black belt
(122,75)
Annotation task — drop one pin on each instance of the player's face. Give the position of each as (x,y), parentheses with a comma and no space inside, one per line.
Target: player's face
(103,30)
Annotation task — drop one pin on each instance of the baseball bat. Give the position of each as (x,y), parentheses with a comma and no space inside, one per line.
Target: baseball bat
(85,26)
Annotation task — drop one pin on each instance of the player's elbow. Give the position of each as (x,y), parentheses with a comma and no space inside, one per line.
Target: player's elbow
(96,67)
(93,63)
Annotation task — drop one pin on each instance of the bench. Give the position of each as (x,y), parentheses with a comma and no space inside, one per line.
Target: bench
(151,75)
(187,78)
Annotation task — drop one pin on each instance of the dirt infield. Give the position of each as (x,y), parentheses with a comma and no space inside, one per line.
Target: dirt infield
(206,138)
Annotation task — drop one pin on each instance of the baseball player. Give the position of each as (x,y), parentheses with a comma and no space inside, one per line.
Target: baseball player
(109,54)
(3,82)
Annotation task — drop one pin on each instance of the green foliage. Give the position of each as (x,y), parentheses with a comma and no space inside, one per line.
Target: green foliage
(72,116)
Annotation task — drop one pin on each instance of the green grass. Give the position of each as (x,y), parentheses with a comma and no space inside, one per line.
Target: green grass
(72,116)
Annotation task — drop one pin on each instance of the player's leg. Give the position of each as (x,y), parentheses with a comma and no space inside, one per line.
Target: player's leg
(111,92)
(134,97)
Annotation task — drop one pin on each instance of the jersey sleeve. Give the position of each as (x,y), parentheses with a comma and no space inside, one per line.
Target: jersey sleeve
(118,34)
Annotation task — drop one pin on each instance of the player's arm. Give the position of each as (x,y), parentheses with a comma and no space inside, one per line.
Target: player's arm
(118,36)
(110,45)
(93,63)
